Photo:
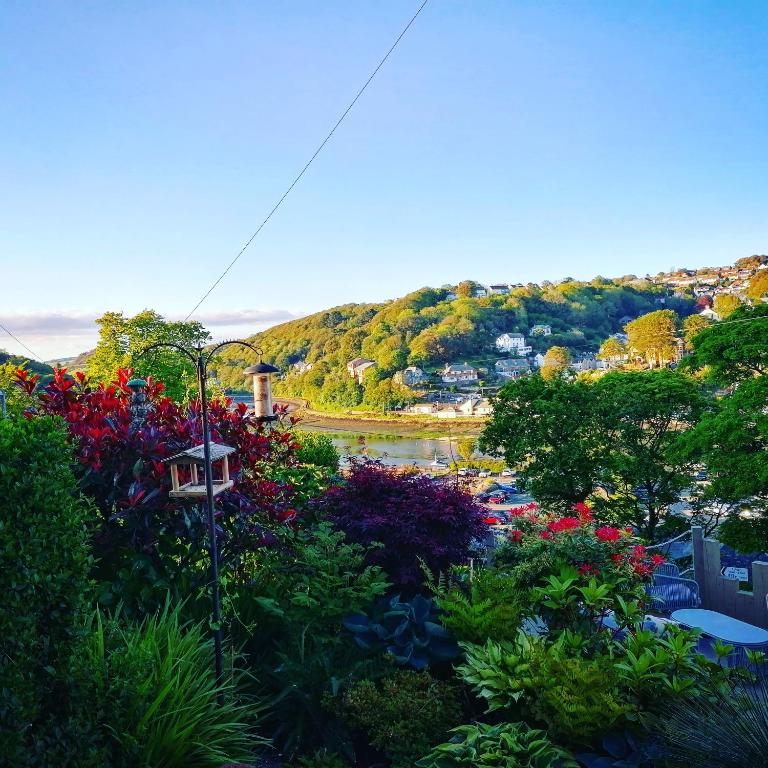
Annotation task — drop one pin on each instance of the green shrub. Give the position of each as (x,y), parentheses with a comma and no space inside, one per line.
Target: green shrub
(508,745)
(150,694)
(317,448)
(44,584)
(576,698)
(489,606)
(402,714)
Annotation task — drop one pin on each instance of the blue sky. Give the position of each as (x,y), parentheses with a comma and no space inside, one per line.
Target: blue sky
(143,142)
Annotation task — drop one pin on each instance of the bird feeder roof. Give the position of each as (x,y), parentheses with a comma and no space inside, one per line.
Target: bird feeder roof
(260,367)
(196,455)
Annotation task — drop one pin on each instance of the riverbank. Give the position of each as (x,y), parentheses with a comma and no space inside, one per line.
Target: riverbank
(405,425)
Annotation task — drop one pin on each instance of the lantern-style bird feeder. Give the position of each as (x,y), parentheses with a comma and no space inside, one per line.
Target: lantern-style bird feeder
(262,390)
(194,459)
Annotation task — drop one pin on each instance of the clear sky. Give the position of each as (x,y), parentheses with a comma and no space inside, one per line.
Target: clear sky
(142,142)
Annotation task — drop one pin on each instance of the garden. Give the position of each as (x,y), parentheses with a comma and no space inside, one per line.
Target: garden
(366,620)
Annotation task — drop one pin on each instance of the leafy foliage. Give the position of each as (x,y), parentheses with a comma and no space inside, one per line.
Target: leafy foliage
(652,336)
(151,691)
(413,518)
(410,632)
(489,605)
(146,542)
(736,727)
(508,745)
(44,582)
(403,714)
(317,449)
(121,340)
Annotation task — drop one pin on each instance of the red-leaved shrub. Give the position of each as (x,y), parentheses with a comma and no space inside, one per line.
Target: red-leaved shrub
(413,517)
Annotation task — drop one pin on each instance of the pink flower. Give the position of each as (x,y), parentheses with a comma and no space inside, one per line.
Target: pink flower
(607,533)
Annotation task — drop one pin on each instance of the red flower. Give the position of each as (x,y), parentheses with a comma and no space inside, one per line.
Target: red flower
(657,560)
(607,533)
(516,536)
(585,569)
(628,530)
(491,520)
(564,524)
(584,512)
(617,558)
(547,535)
(638,550)
(641,569)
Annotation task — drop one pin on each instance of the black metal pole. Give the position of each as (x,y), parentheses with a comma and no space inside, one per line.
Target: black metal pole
(214,550)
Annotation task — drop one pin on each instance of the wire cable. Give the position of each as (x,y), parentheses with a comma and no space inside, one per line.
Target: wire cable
(19,341)
(309,162)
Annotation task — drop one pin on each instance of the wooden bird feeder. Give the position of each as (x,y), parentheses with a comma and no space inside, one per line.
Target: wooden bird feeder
(194,459)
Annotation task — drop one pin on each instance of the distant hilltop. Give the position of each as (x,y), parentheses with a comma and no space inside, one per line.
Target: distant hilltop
(368,355)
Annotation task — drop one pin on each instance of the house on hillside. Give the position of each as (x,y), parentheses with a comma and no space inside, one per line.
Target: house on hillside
(302,366)
(454,373)
(501,289)
(476,406)
(538,360)
(513,367)
(513,342)
(709,313)
(541,330)
(356,368)
(411,376)
(480,293)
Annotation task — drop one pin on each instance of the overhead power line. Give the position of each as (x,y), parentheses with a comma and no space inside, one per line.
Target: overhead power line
(309,162)
(19,341)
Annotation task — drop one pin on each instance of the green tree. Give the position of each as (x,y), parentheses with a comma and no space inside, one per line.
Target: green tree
(465,447)
(551,428)
(653,336)
(758,285)
(646,415)
(692,325)
(613,350)
(733,350)
(556,362)
(121,340)
(725,304)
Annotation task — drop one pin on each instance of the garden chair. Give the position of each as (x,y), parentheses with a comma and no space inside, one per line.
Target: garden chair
(670,592)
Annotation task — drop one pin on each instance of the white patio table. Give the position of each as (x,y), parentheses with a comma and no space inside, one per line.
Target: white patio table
(722,627)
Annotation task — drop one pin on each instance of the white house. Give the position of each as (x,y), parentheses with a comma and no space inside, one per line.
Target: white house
(538,361)
(498,288)
(302,366)
(476,407)
(513,342)
(356,368)
(541,330)
(709,313)
(480,293)
(457,372)
(423,408)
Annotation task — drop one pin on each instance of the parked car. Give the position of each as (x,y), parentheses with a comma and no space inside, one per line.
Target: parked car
(507,473)
(483,473)
(498,498)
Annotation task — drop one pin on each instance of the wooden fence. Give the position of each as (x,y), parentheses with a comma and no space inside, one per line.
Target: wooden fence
(723,595)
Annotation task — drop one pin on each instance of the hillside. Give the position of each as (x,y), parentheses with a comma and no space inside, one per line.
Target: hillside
(431,327)
(18,361)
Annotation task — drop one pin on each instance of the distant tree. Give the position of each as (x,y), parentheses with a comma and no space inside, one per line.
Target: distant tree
(692,325)
(758,285)
(121,340)
(645,415)
(465,446)
(553,430)
(653,336)
(726,304)
(751,262)
(733,351)
(556,362)
(613,350)
(466,289)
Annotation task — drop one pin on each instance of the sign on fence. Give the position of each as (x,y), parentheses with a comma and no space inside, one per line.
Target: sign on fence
(735,574)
